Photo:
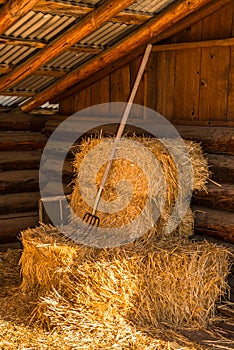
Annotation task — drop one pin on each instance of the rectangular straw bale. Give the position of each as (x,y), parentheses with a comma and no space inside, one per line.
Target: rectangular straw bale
(124,169)
(175,283)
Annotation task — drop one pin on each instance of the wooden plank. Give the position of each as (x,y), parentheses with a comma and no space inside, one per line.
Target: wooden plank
(120,85)
(18,160)
(77,10)
(223,123)
(12,10)
(82,100)
(136,39)
(221,167)
(165,84)
(187,74)
(214,83)
(12,224)
(194,45)
(173,29)
(151,81)
(141,95)
(19,181)
(230,106)
(100,91)
(21,122)
(216,197)
(214,222)
(19,202)
(191,33)
(218,25)
(214,139)
(24,141)
(78,31)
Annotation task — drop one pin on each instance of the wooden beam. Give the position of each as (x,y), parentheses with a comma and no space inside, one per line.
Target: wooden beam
(139,37)
(217,197)
(19,160)
(40,45)
(12,10)
(84,27)
(166,34)
(21,141)
(12,224)
(21,122)
(221,167)
(213,222)
(4,69)
(194,45)
(19,202)
(62,9)
(22,93)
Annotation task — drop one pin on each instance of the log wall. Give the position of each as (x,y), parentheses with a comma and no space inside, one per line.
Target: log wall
(21,145)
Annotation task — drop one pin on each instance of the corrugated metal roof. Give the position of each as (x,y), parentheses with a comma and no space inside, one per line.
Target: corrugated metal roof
(44,27)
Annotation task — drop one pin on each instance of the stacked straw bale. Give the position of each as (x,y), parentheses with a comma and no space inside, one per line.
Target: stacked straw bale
(129,170)
(97,291)
(112,297)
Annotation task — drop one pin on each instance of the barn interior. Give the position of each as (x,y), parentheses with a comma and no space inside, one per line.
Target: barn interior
(60,57)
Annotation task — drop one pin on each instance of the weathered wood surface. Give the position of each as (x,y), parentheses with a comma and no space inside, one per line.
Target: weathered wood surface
(19,181)
(221,167)
(133,41)
(217,223)
(19,202)
(175,28)
(216,197)
(24,141)
(12,10)
(78,31)
(18,160)
(12,224)
(214,139)
(21,122)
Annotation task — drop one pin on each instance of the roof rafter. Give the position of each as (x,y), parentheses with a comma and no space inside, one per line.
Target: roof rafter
(171,31)
(12,10)
(81,29)
(4,68)
(133,41)
(40,45)
(62,9)
(81,10)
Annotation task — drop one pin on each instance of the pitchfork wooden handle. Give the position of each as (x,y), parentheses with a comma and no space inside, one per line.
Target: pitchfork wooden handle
(122,124)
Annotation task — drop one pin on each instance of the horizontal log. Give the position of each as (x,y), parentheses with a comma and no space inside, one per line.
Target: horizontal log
(214,139)
(51,189)
(217,223)
(12,224)
(21,141)
(21,122)
(17,160)
(19,202)
(51,166)
(221,167)
(216,197)
(19,181)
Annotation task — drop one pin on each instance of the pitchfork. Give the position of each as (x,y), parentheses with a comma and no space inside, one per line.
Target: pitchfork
(91,218)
